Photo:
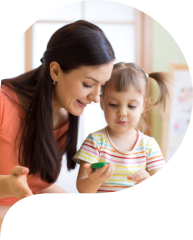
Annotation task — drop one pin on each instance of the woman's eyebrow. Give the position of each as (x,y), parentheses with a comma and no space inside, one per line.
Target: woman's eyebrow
(96,80)
(92,79)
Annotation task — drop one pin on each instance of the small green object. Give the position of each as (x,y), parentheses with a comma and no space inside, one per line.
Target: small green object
(98,165)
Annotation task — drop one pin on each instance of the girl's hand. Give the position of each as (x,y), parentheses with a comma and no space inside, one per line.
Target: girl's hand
(139,176)
(101,175)
(17,185)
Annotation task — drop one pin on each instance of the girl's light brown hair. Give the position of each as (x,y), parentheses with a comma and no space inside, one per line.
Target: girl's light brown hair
(126,74)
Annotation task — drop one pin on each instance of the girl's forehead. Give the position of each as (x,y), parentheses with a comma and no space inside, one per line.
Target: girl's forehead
(111,90)
(131,94)
(114,87)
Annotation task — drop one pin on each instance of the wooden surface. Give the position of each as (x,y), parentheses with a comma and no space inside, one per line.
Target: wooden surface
(28,49)
(3,211)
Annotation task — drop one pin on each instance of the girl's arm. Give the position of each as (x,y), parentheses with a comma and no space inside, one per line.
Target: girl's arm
(141,175)
(83,184)
(53,189)
(154,171)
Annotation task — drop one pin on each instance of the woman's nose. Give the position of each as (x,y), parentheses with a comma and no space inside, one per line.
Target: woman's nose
(95,96)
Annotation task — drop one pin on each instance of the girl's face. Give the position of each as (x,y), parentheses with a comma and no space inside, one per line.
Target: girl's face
(122,109)
(79,87)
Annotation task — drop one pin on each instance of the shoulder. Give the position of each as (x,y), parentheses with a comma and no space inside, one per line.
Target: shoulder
(4,92)
(8,108)
(147,140)
(151,145)
(8,102)
(99,133)
(97,137)
(7,94)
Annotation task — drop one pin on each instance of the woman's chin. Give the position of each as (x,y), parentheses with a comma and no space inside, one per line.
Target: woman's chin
(76,112)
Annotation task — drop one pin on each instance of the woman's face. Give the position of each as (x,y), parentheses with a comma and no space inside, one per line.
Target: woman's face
(74,90)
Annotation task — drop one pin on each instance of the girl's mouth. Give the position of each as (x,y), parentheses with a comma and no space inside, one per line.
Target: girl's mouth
(121,122)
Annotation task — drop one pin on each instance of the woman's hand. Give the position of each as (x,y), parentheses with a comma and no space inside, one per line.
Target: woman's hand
(139,176)
(99,176)
(17,185)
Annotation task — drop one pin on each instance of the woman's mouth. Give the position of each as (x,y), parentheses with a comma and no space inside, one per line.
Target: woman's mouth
(81,104)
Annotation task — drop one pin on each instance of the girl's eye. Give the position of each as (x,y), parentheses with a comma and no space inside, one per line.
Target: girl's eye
(112,105)
(132,107)
(87,86)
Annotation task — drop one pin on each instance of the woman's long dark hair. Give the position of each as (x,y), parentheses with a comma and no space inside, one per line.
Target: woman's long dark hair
(74,45)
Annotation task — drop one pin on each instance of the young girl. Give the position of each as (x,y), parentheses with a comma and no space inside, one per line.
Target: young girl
(131,155)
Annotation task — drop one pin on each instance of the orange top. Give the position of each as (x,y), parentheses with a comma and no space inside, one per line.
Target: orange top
(10,120)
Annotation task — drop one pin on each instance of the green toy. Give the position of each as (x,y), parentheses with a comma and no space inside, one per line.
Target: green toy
(98,165)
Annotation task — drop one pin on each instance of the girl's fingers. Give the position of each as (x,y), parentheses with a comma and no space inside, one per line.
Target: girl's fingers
(138,178)
(140,181)
(130,177)
(102,170)
(108,171)
(111,172)
(88,167)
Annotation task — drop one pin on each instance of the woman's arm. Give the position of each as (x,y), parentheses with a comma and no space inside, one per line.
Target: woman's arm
(53,189)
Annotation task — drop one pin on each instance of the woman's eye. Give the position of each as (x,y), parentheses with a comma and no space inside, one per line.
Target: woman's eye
(132,107)
(86,85)
(112,105)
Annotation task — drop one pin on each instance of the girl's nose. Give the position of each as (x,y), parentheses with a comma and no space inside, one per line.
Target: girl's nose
(122,112)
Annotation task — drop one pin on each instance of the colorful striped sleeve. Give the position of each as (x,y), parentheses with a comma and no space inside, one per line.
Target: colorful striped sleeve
(154,157)
(89,151)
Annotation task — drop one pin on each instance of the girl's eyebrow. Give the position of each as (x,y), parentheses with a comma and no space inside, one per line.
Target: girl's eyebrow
(130,100)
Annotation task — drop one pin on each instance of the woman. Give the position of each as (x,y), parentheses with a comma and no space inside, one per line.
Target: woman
(39,110)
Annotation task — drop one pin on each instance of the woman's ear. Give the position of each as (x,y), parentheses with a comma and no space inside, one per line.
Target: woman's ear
(54,71)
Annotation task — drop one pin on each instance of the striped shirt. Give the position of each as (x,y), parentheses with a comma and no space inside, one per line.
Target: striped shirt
(98,147)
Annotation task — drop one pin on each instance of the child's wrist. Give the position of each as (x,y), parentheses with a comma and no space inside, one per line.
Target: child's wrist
(89,182)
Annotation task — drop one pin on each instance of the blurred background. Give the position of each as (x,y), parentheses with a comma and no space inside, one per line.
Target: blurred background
(135,37)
